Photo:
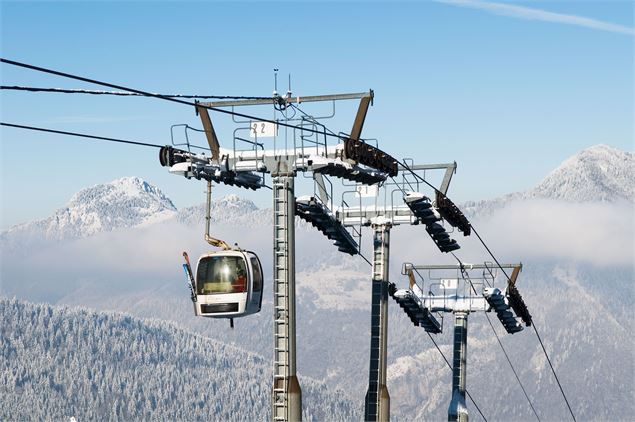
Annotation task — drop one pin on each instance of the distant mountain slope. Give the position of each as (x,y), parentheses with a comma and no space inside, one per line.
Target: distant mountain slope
(122,203)
(125,203)
(580,311)
(597,174)
(61,362)
(230,208)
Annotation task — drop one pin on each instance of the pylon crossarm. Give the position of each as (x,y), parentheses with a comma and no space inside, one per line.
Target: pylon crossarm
(457,266)
(288,100)
(351,216)
(455,303)
(326,160)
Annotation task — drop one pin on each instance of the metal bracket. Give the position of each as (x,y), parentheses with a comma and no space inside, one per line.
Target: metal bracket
(358,124)
(319,181)
(514,276)
(445,184)
(210,134)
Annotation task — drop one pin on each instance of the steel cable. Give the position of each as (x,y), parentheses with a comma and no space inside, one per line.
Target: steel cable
(124,93)
(82,135)
(163,97)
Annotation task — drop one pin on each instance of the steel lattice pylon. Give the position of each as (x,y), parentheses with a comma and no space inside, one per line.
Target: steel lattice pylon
(377,403)
(286,392)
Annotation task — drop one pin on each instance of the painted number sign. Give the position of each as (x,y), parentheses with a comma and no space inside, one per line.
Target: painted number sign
(263,130)
(366,191)
(449,283)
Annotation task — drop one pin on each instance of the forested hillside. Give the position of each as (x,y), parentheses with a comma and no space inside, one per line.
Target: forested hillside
(62,362)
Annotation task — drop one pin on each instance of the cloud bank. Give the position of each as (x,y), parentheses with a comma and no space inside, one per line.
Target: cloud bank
(600,234)
(535,231)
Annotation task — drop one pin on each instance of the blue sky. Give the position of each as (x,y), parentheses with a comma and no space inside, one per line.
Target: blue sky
(508,90)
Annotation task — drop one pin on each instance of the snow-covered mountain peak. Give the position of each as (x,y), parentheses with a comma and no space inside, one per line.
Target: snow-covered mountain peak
(230,208)
(598,173)
(119,189)
(122,203)
(236,202)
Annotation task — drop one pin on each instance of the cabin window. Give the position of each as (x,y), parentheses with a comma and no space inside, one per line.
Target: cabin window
(255,265)
(221,274)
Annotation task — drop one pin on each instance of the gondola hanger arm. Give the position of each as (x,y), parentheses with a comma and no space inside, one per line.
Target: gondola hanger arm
(217,242)
(209,239)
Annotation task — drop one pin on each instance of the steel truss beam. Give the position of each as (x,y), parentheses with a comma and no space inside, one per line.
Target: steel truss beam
(493,267)
(290,99)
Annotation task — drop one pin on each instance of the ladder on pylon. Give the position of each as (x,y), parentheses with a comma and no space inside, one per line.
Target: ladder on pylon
(281,301)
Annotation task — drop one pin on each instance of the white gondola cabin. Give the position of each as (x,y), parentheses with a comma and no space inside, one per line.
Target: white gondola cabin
(228,284)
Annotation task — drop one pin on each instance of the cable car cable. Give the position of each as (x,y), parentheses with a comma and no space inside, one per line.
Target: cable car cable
(82,135)
(403,163)
(102,138)
(124,93)
(488,320)
(533,324)
(464,274)
(163,97)
(365,259)
(512,367)
(443,356)
(313,119)
(553,370)
(450,366)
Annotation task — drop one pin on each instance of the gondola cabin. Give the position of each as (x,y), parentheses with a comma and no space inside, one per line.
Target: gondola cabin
(228,284)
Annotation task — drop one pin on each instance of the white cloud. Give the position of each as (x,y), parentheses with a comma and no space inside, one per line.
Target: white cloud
(143,258)
(597,233)
(528,13)
(150,258)
(600,234)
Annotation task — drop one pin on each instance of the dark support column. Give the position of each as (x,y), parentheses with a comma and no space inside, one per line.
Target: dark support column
(458,408)
(377,403)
